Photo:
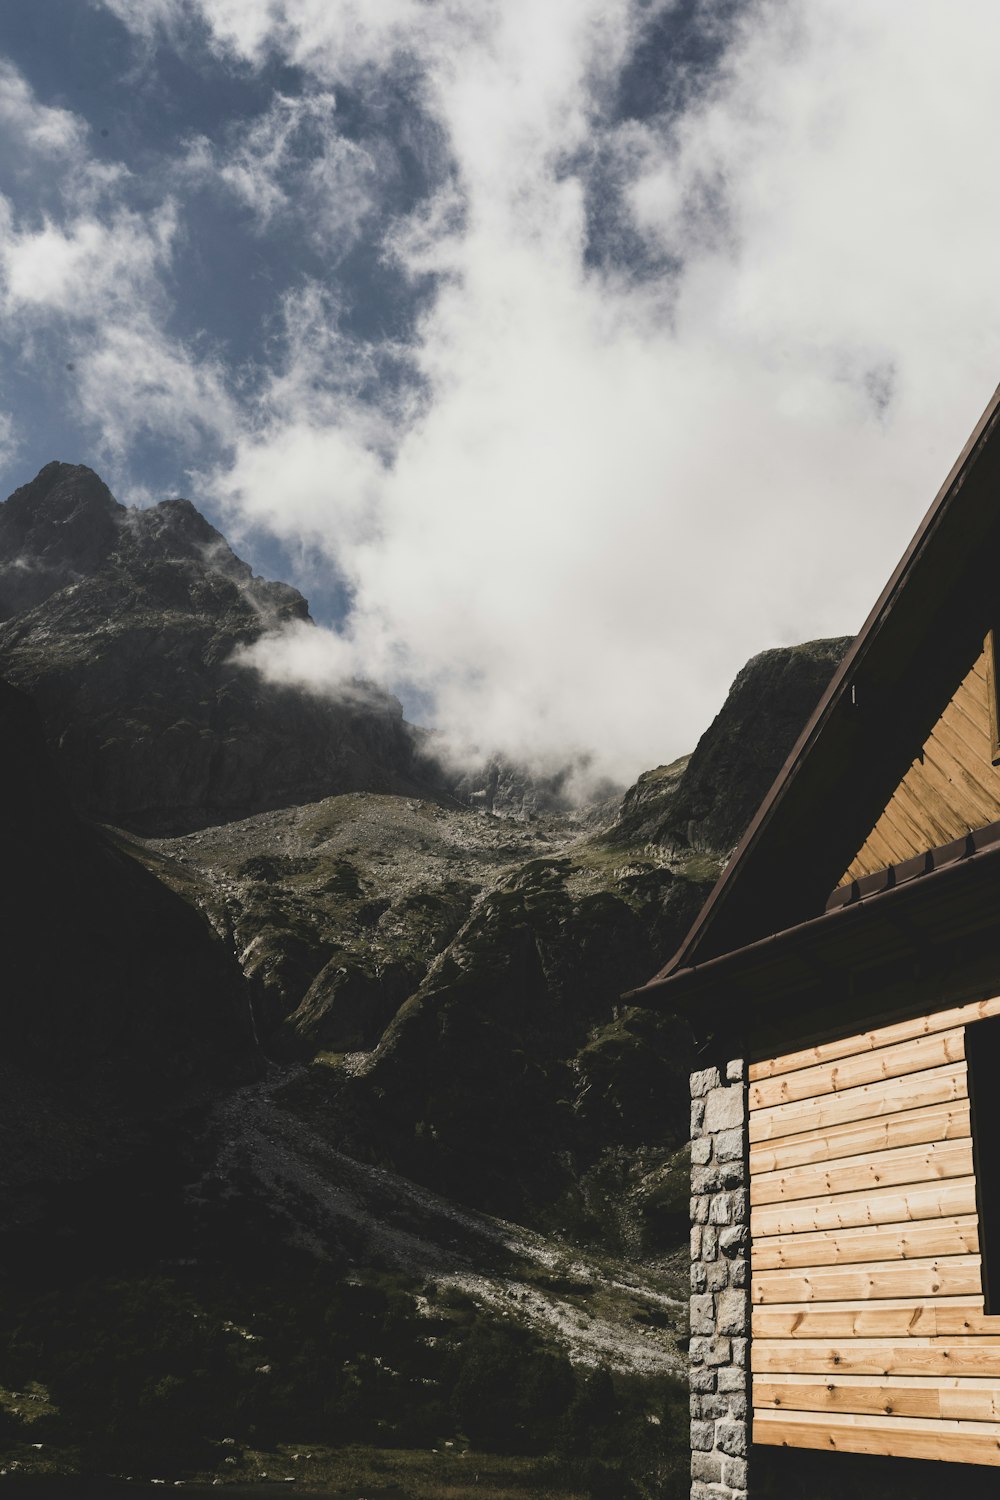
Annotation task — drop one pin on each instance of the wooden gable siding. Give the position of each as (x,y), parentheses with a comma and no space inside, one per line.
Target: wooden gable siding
(869,1334)
(951,788)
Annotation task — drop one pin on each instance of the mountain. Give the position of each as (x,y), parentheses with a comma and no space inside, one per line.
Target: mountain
(706,800)
(322,1115)
(122,626)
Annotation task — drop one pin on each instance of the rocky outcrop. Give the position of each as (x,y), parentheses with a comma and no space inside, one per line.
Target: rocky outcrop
(123,624)
(56,530)
(705,801)
(472,968)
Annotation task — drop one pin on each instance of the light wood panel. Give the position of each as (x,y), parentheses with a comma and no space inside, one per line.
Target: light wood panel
(879,1357)
(947,1276)
(915,1091)
(930,1162)
(871,1242)
(848,1210)
(919,1396)
(882,1036)
(951,788)
(859,1069)
(899,1437)
(868,1326)
(953,1317)
(939,1122)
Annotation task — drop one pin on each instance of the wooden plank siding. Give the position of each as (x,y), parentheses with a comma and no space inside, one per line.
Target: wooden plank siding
(951,788)
(898,1060)
(868,1327)
(930,1086)
(894,1437)
(910,1241)
(870,1041)
(912,1127)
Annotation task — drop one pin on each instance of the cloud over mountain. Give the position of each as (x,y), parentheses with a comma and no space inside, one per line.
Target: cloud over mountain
(589,346)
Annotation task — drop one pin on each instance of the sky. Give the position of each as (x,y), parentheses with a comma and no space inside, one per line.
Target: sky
(566,353)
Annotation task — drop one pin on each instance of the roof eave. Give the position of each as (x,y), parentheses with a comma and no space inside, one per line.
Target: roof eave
(949,498)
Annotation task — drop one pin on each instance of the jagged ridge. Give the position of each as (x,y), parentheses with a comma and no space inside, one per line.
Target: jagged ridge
(122,625)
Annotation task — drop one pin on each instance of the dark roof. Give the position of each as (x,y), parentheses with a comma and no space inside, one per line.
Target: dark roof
(921,638)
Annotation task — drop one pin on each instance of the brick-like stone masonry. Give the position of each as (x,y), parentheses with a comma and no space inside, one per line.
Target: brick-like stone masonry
(720,1284)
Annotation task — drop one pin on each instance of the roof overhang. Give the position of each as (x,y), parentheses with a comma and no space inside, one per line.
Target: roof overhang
(928,924)
(883,699)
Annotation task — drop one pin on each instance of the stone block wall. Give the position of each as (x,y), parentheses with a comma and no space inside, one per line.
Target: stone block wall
(720,1284)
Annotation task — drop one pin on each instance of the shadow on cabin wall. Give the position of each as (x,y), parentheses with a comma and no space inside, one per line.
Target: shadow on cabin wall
(803,1474)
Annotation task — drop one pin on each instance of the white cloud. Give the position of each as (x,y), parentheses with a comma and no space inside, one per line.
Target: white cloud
(48,147)
(40,128)
(83,287)
(133,380)
(96,287)
(146,17)
(613,489)
(87,267)
(292,163)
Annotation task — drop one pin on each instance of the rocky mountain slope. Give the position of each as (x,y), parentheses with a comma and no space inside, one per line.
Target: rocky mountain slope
(456,975)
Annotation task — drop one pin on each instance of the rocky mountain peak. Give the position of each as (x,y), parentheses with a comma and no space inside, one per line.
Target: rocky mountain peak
(175,534)
(65,526)
(124,626)
(61,527)
(705,800)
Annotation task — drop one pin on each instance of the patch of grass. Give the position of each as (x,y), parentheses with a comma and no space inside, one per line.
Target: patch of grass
(703,868)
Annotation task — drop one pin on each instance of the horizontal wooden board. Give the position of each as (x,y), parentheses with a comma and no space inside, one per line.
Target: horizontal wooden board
(939,1122)
(863,1068)
(894,1205)
(899,1437)
(916,1398)
(869,1041)
(958,1235)
(938,1318)
(870,1101)
(949,1276)
(878,1358)
(933,1162)
(880,1400)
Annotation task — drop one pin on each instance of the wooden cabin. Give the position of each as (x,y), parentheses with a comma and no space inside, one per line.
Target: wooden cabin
(843,985)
